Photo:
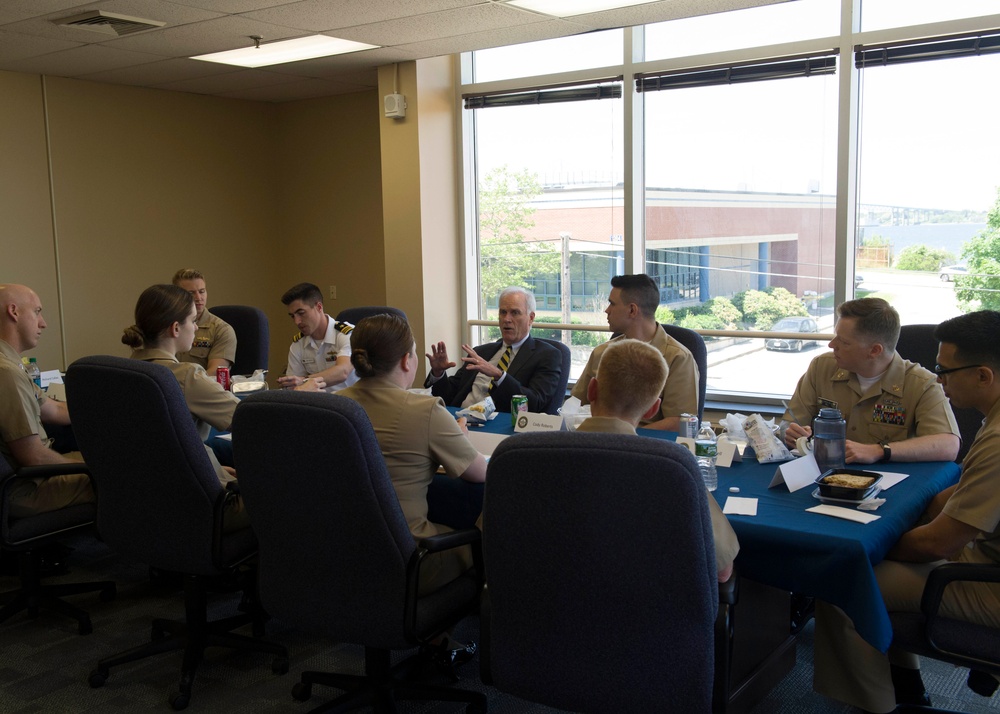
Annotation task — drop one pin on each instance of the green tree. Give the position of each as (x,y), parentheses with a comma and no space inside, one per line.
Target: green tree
(980,289)
(762,308)
(923,257)
(504,217)
(875,240)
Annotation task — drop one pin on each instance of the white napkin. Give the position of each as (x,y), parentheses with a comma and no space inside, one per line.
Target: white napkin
(740,506)
(847,513)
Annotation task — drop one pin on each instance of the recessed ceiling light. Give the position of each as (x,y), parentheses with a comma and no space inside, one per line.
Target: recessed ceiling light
(568,8)
(302,48)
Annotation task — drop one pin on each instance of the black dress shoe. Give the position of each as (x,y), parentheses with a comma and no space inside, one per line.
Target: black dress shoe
(447,659)
(909,687)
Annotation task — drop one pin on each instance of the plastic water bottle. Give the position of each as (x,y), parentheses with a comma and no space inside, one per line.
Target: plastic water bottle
(706,449)
(829,439)
(34,374)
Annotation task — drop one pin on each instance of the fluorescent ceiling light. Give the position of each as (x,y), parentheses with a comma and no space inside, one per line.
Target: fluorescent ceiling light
(302,48)
(568,8)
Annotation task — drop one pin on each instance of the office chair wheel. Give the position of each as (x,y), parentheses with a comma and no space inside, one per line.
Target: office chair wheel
(280,666)
(302,691)
(179,701)
(109,593)
(97,678)
(85,627)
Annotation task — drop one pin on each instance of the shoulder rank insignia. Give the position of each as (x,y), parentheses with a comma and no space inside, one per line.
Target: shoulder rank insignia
(344,327)
(296,337)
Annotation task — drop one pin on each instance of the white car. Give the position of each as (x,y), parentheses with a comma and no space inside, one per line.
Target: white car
(948,272)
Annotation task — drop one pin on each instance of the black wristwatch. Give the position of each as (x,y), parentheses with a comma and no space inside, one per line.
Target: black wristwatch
(886,453)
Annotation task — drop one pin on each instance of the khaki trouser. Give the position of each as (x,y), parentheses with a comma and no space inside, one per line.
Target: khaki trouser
(851,670)
(29,497)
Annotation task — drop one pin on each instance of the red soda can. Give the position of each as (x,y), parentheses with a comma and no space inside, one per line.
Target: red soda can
(222,377)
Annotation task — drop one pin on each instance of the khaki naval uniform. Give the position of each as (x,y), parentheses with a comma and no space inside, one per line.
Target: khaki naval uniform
(726,543)
(851,670)
(680,393)
(306,356)
(905,403)
(21,416)
(214,339)
(417,434)
(208,402)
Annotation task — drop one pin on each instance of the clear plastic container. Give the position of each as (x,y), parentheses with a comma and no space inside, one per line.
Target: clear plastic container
(706,449)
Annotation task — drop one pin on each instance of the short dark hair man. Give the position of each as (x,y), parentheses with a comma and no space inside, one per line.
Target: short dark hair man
(23,408)
(215,341)
(625,390)
(961,524)
(533,368)
(320,353)
(631,312)
(895,410)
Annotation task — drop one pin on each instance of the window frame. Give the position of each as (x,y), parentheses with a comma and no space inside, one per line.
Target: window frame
(632,67)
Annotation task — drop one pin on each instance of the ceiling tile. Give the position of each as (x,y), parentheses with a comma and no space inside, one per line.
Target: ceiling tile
(327,15)
(80,60)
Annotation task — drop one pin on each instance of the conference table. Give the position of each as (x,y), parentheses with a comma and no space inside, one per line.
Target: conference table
(790,549)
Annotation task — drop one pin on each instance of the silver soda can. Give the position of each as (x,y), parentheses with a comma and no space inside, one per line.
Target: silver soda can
(689,426)
(518,404)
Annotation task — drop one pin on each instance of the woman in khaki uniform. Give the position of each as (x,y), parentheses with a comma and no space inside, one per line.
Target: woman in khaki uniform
(417,434)
(165,324)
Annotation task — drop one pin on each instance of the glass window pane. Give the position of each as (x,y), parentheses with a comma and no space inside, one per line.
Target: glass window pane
(927,180)
(881,14)
(565,54)
(752,27)
(740,214)
(550,204)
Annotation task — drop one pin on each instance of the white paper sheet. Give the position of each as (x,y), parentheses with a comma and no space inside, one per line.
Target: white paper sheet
(740,506)
(485,442)
(846,513)
(889,479)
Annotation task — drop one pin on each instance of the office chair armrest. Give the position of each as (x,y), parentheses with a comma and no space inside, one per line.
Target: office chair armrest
(944,575)
(42,471)
(449,540)
(729,591)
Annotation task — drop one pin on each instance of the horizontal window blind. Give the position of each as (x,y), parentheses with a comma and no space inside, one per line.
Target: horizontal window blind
(600,89)
(736,73)
(928,49)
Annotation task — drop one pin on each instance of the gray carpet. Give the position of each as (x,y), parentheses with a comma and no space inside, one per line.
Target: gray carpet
(44,663)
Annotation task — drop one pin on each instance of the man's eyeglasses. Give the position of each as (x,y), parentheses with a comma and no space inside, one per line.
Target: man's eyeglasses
(941,371)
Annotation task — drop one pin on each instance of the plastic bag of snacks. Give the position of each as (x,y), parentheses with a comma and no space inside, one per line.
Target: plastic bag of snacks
(764,440)
(480,412)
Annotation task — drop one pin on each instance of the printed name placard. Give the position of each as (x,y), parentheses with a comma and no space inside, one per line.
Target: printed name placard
(529,421)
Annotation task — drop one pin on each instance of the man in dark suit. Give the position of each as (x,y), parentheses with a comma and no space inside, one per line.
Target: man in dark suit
(516,364)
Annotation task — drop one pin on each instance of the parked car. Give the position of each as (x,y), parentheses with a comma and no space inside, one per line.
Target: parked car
(858,279)
(948,272)
(791,324)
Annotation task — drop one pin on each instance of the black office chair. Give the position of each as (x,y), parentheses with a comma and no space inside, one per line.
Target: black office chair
(917,344)
(696,344)
(930,634)
(560,394)
(161,503)
(28,535)
(336,555)
(601,589)
(253,335)
(354,315)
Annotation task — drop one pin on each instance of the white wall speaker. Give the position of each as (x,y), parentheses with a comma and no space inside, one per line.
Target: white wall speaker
(395,106)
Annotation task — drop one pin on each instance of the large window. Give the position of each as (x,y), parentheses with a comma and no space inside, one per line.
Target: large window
(929,172)
(752,163)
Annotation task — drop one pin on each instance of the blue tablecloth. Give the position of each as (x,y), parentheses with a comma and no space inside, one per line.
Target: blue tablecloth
(829,558)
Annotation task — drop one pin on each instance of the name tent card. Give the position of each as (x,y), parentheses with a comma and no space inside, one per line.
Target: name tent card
(796,474)
(529,421)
